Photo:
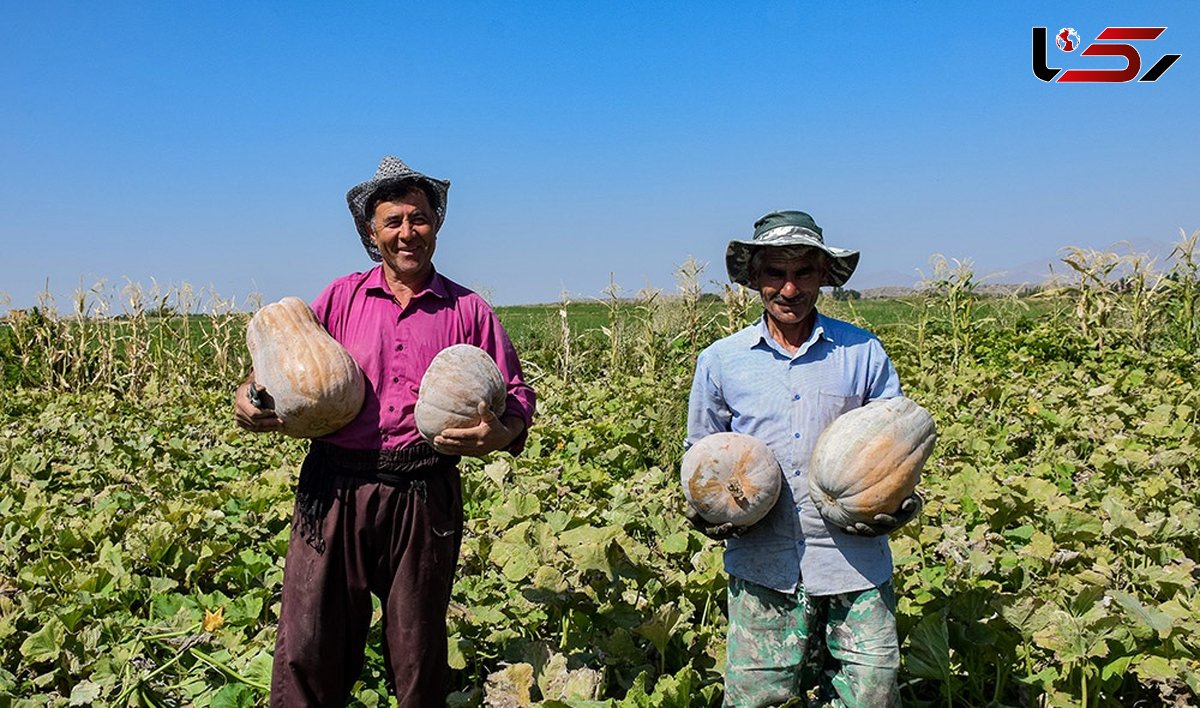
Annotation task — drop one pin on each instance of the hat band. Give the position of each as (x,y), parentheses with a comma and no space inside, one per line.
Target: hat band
(781,233)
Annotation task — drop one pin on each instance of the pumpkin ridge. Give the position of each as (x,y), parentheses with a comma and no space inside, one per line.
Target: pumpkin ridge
(893,450)
(869,459)
(456,380)
(705,489)
(306,384)
(871,474)
(316,384)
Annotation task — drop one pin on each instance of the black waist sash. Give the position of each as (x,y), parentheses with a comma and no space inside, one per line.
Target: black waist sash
(406,467)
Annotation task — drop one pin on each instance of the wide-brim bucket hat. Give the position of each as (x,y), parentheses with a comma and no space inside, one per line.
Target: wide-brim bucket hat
(787,228)
(392,171)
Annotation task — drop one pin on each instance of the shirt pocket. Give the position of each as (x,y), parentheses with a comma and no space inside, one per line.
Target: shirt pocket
(831,404)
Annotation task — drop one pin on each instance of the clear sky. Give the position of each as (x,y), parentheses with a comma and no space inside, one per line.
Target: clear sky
(212,143)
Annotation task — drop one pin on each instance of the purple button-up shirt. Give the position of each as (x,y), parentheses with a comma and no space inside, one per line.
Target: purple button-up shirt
(394,347)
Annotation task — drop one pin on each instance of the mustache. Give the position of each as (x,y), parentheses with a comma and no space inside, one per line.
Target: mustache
(781,300)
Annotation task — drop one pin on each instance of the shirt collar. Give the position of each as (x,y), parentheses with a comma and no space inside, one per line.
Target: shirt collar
(436,286)
(820,331)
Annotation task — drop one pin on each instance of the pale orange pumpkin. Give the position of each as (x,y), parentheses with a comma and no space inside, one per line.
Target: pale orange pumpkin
(458,378)
(869,459)
(730,478)
(315,385)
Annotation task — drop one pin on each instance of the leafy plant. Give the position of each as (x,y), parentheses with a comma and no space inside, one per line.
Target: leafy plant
(1056,563)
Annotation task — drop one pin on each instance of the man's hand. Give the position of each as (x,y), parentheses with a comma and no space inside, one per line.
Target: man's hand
(489,435)
(717,532)
(886,523)
(249,416)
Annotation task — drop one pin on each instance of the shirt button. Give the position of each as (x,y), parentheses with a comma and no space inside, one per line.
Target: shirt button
(796,435)
(796,397)
(396,379)
(391,408)
(399,347)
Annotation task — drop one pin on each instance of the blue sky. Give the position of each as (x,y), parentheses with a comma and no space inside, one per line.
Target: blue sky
(213,143)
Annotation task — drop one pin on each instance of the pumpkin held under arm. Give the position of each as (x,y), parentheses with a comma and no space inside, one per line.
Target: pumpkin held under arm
(867,463)
(315,384)
(730,481)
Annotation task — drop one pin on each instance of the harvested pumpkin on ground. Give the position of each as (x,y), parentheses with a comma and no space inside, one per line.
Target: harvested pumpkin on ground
(730,478)
(869,459)
(314,384)
(458,378)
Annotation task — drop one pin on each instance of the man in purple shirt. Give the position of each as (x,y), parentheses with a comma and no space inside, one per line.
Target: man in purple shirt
(378,510)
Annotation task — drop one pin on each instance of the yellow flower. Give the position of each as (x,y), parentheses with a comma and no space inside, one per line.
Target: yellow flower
(214,620)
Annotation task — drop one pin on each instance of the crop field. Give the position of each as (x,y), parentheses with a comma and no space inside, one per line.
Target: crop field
(1057,561)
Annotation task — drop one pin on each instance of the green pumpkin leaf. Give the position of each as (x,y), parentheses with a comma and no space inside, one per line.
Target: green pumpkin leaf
(85,693)
(676,542)
(636,696)
(1154,668)
(456,656)
(928,655)
(661,625)
(1153,619)
(234,695)
(588,547)
(1116,667)
(1075,524)
(45,644)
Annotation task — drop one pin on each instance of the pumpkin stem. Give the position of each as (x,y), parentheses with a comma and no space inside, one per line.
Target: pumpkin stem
(735,488)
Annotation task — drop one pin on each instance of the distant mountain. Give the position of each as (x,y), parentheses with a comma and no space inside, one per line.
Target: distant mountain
(1037,271)
(883,279)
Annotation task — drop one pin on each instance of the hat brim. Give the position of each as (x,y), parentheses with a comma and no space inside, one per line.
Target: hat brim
(842,262)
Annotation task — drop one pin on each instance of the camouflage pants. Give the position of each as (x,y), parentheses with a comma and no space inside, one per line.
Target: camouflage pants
(839,650)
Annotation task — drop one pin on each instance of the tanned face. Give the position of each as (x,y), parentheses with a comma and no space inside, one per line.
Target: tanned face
(789,287)
(405,230)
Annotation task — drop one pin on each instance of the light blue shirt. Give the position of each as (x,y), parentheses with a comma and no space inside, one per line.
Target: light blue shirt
(748,383)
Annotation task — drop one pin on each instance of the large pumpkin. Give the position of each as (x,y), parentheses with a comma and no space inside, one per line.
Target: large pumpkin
(458,378)
(730,478)
(869,459)
(315,384)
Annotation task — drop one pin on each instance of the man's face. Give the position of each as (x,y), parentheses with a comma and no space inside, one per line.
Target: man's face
(789,287)
(406,233)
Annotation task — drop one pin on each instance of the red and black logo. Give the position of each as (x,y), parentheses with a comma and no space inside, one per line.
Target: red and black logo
(1109,43)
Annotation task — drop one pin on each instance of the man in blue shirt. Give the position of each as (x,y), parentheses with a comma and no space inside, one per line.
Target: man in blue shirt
(811,606)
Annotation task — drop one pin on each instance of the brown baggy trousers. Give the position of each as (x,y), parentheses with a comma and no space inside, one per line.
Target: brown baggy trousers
(397,541)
